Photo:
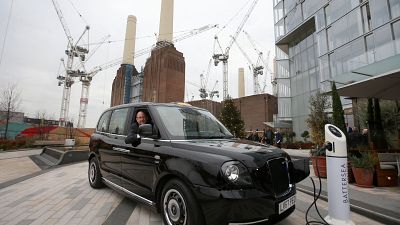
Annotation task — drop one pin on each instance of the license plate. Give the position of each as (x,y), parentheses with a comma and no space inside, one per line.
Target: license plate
(283,206)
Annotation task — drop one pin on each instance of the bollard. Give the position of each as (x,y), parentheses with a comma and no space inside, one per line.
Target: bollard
(337,177)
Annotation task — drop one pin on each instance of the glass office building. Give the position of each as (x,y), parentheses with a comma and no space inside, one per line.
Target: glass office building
(320,41)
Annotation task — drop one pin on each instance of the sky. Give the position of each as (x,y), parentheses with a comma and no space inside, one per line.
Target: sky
(34,42)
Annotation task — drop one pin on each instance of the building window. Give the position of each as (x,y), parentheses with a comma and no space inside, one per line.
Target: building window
(347,58)
(379,12)
(311,6)
(383,43)
(370,48)
(345,29)
(278,12)
(276,2)
(324,68)
(289,5)
(320,19)
(329,37)
(396,34)
(293,18)
(366,17)
(321,43)
(394,8)
(279,29)
(338,8)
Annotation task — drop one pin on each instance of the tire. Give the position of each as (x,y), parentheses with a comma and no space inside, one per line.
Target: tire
(179,206)
(94,174)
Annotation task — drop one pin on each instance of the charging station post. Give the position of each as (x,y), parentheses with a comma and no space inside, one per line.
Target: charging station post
(337,177)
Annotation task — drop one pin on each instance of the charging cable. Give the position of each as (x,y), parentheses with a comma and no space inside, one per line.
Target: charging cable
(327,146)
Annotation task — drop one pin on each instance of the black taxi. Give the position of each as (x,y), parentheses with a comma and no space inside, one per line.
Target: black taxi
(187,165)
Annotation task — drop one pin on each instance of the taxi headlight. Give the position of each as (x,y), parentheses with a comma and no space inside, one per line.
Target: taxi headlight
(236,173)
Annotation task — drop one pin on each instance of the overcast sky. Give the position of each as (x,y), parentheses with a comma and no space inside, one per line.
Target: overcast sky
(35,41)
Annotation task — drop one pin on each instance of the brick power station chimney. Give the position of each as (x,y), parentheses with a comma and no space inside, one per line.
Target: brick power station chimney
(166,21)
(121,87)
(241,89)
(130,36)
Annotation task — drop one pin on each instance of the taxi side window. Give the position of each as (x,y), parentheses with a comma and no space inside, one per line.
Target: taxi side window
(103,122)
(117,122)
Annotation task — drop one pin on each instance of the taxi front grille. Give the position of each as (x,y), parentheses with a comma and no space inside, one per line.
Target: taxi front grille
(279,175)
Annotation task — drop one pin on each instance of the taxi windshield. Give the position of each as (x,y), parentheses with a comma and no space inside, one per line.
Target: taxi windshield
(191,123)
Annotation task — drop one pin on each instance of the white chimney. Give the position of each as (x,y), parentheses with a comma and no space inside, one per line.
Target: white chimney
(241,89)
(130,36)
(166,21)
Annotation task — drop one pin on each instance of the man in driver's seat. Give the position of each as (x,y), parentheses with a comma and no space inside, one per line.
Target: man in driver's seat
(133,136)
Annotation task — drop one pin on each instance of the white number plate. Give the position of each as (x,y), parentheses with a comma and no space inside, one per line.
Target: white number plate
(283,206)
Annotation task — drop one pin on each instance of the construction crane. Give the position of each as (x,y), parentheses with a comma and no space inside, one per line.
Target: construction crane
(204,81)
(213,91)
(94,50)
(73,50)
(260,57)
(224,56)
(209,93)
(86,78)
(257,69)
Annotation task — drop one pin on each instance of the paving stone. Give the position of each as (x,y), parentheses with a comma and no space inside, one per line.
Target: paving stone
(144,218)
(81,204)
(105,209)
(25,198)
(43,217)
(66,218)
(87,220)
(50,221)
(18,219)
(25,222)
(85,210)
(2,193)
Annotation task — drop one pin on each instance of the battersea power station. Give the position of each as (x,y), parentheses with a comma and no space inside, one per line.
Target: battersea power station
(162,79)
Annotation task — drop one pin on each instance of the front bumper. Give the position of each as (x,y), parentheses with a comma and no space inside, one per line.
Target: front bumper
(239,206)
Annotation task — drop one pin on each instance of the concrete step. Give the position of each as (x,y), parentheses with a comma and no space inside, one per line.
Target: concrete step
(50,157)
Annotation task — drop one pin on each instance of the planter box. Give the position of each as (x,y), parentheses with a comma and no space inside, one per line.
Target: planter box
(364,177)
(321,160)
(386,178)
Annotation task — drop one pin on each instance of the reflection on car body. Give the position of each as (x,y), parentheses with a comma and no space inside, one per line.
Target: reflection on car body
(190,167)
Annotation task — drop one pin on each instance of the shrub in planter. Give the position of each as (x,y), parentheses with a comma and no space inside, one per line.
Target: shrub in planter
(318,158)
(363,169)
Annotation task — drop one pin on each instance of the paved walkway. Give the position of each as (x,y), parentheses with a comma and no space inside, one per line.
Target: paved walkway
(63,196)
(16,164)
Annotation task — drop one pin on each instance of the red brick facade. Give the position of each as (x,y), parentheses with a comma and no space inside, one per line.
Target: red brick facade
(213,107)
(255,109)
(117,92)
(164,76)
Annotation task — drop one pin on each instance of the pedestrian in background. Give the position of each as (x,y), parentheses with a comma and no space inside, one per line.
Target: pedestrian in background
(269,136)
(254,137)
(278,139)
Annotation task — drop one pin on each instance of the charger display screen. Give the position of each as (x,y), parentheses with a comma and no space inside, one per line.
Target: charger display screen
(335,131)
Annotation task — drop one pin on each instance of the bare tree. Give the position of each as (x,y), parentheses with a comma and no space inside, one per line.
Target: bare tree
(42,116)
(10,100)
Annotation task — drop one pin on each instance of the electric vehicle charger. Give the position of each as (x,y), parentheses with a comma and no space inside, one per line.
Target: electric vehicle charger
(335,148)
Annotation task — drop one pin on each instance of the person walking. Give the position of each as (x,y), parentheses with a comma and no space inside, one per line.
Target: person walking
(278,139)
